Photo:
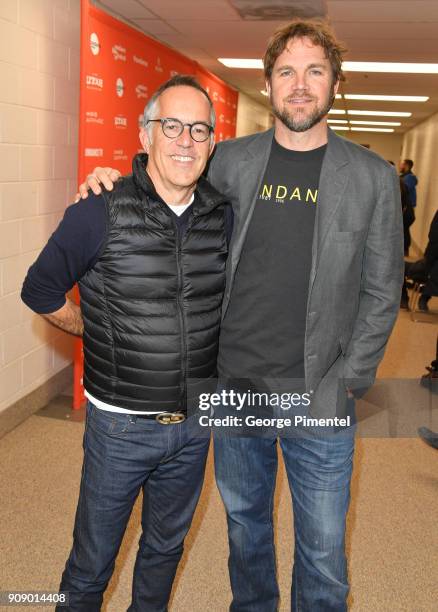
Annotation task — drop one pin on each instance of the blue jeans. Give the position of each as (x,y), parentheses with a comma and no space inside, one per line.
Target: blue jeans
(124,454)
(319,471)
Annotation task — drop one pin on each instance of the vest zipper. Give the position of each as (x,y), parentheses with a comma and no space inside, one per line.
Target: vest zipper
(183,384)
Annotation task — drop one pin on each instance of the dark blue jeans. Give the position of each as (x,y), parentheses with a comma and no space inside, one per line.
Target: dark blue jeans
(319,472)
(124,454)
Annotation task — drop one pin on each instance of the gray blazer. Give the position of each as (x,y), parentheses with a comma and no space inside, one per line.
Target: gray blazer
(357,258)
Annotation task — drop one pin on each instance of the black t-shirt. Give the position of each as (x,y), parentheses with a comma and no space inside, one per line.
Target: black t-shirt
(263,331)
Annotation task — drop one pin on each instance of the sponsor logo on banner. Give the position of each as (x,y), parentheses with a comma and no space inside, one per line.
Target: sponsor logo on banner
(94,43)
(158,66)
(119,53)
(141,91)
(227,121)
(120,122)
(93,117)
(120,87)
(221,118)
(93,152)
(215,96)
(94,82)
(140,60)
(221,99)
(119,155)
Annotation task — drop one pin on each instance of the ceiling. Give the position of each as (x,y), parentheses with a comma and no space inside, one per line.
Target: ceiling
(372,30)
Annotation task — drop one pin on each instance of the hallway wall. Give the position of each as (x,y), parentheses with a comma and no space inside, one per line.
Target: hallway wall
(387,146)
(39,107)
(421,145)
(252,117)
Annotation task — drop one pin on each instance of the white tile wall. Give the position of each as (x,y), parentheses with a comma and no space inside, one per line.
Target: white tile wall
(52,128)
(37,163)
(35,232)
(36,89)
(9,162)
(37,364)
(39,16)
(65,100)
(22,339)
(18,124)
(18,200)
(9,311)
(14,270)
(39,104)
(9,74)
(10,381)
(53,195)
(65,162)
(66,22)
(52,57)
(18,46)
(10,239)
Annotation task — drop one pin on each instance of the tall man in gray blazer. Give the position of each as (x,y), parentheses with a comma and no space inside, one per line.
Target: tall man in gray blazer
(313,289)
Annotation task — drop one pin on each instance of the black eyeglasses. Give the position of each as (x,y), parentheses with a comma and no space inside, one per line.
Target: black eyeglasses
(172,128)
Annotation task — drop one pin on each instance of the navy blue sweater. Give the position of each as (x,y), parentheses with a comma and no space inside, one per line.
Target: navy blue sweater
(73,249)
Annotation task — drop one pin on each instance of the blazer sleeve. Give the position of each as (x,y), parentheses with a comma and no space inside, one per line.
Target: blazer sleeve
(213,174)
(380,289)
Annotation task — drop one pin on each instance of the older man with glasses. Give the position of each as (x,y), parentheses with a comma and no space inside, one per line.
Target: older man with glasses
(149,258)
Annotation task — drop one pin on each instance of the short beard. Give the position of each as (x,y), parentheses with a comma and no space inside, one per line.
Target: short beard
(297,125)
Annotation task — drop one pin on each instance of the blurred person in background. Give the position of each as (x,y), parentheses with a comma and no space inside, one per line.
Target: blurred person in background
(410,196)
(409,179)
(425,270)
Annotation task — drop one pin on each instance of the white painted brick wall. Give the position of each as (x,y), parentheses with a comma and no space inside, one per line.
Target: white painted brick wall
(39,105)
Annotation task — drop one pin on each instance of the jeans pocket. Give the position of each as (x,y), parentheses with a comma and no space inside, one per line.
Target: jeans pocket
(109,423)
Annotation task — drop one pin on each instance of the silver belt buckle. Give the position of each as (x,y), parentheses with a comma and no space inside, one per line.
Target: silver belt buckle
(170,418)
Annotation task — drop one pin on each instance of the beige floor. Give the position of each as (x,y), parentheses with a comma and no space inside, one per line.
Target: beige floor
(392,529)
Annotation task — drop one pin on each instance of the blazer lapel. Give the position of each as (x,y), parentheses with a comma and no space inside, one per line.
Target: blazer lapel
(251,173)
(332,186)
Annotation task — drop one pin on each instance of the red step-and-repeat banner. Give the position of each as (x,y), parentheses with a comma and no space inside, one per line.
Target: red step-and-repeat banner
(120,70)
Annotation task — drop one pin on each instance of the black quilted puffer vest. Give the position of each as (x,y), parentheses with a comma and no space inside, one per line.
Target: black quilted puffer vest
(151,305)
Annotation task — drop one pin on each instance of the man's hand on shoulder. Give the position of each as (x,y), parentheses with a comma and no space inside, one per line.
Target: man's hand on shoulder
(100,176)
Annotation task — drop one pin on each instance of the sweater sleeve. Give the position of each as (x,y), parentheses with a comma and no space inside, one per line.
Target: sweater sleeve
(71,251)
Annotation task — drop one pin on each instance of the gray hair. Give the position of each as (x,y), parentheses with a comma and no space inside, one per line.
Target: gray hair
(152,108)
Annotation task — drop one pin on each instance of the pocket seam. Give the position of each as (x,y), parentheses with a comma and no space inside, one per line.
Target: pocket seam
(347,236)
